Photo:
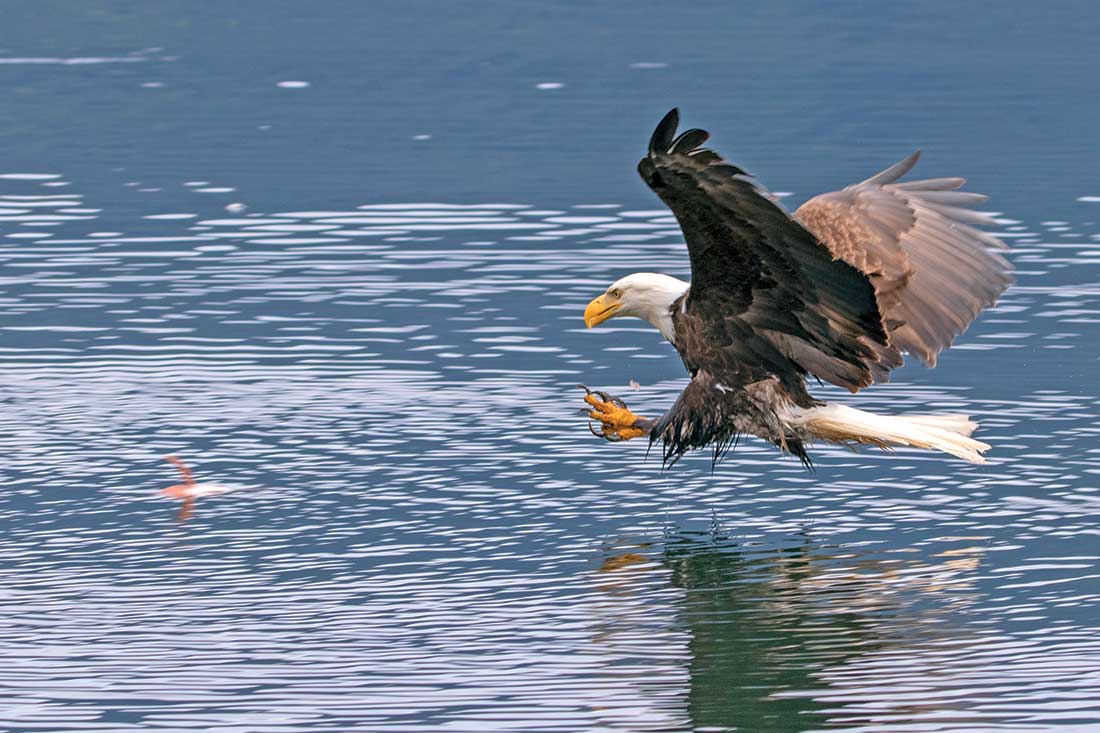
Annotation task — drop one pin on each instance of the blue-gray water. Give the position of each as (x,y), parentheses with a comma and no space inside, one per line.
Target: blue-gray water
(356,303)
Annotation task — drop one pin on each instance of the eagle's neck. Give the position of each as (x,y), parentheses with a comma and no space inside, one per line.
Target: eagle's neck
(662,302)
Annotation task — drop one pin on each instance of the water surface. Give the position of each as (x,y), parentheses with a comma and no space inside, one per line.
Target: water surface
(363,315)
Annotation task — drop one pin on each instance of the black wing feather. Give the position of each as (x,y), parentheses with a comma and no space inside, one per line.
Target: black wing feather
(666,130)
(689,141)
(768,304)
(750,261)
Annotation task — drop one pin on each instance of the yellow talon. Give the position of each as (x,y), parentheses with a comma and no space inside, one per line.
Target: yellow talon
(617,422)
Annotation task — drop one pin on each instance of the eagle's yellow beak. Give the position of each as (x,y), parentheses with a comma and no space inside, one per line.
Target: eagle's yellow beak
(600,309)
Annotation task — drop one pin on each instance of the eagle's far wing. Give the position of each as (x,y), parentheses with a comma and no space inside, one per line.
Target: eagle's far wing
(933,271)
(754,267)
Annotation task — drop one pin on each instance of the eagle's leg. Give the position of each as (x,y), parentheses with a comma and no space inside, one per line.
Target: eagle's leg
(615,420)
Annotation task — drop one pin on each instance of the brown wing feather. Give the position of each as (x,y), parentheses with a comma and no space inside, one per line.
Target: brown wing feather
(933,272)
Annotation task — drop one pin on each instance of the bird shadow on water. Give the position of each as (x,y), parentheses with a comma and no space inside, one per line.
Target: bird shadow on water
(785,636)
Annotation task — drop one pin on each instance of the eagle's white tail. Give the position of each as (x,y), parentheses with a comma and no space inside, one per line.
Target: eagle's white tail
(842,424)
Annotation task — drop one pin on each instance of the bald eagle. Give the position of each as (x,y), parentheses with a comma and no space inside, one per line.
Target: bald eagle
(838,291)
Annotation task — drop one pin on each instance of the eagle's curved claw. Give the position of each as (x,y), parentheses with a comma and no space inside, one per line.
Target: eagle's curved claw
(601,433)
(615,420)
(609,398)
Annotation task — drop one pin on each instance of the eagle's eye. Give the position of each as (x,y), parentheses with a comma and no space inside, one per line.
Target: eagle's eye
(615,293)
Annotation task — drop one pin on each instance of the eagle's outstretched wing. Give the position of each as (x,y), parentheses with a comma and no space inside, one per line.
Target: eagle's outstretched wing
(766,299)
(933,272)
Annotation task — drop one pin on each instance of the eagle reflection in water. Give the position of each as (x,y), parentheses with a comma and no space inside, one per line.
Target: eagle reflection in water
(770,628)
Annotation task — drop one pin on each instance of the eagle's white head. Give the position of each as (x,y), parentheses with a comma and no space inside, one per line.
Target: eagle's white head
(645,295)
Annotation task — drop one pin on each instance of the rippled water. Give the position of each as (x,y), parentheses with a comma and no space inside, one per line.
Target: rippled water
(203,253)
(423,535)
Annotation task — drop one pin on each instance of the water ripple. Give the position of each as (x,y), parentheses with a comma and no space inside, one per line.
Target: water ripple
(424,535)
